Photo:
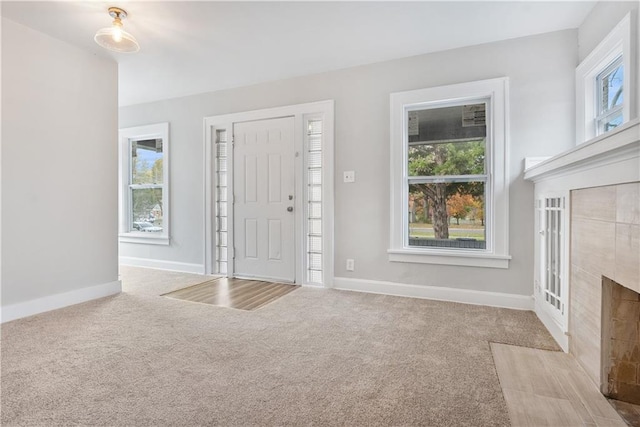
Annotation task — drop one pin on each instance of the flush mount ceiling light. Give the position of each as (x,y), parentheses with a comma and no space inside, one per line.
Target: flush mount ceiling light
(115,38)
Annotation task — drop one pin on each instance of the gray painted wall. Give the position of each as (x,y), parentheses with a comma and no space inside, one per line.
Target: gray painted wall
(541,69)
(59,167)
(602,18)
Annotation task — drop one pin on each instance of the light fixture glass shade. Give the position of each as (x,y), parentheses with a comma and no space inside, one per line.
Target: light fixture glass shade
(115,38)
(107,38)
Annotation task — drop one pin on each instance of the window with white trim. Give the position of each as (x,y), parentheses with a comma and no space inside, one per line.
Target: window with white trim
(144,192)
(449,195)
(606,84)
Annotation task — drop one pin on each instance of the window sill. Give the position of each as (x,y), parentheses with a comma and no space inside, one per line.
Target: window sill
(444,257)
(143,238)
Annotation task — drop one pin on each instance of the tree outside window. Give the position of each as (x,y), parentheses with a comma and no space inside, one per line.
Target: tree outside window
(447,176)
(146,187)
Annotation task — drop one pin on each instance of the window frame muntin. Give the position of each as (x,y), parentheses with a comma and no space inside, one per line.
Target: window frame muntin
(497,90)
(126,137)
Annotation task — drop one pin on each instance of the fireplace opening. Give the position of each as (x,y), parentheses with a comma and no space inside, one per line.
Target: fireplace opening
(620,342)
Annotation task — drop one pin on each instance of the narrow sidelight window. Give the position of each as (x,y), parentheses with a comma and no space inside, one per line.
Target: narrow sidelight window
(221,208)
(314,138)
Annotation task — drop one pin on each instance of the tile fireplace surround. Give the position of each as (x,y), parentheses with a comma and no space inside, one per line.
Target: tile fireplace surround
(604,283)
(601,179)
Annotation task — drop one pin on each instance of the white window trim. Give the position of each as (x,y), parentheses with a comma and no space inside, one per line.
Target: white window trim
(126,135)
(497,216)
(618,43)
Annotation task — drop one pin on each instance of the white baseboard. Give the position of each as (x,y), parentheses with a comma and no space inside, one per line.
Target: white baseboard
(465,296)
(182,267)
(552,326)
(53,302)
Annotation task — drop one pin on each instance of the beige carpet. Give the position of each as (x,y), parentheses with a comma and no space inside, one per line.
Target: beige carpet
(313,357)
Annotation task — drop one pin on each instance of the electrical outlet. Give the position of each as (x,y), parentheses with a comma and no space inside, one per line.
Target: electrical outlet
(349,176)
(350,265)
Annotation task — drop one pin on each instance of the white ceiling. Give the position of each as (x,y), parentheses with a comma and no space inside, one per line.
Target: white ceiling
(195,47)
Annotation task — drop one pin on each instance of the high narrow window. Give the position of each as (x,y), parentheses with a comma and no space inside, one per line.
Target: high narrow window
(314,138)
(610,97)
(607,84)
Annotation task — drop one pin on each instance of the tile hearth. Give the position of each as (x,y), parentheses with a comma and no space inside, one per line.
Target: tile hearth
(548,388)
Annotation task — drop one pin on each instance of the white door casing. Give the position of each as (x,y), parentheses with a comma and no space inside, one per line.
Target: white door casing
(264,190)
(218,191)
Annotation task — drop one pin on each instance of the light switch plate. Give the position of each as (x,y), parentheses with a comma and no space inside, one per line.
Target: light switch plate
(349,176)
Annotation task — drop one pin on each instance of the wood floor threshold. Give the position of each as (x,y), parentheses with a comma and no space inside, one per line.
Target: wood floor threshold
(240,294)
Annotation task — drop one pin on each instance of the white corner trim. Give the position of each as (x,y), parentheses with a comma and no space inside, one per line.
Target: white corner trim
(530,162)
(464,296)
(313,285)
(53,302)
(182,267)
(553,327)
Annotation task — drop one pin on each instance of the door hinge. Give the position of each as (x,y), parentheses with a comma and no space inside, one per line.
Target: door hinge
(233,252)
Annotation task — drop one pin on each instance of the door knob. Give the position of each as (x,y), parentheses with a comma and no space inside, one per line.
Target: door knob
(290,209)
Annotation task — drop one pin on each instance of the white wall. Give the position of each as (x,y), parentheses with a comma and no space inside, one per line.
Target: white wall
(59,173)
(541,69)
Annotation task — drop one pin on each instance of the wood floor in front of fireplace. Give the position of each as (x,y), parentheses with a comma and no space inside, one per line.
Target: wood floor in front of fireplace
(549,388)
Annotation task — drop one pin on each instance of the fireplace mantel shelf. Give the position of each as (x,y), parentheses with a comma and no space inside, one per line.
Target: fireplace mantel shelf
(619,145)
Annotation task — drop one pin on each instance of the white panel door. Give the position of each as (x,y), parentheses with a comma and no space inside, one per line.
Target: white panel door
(263,182)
